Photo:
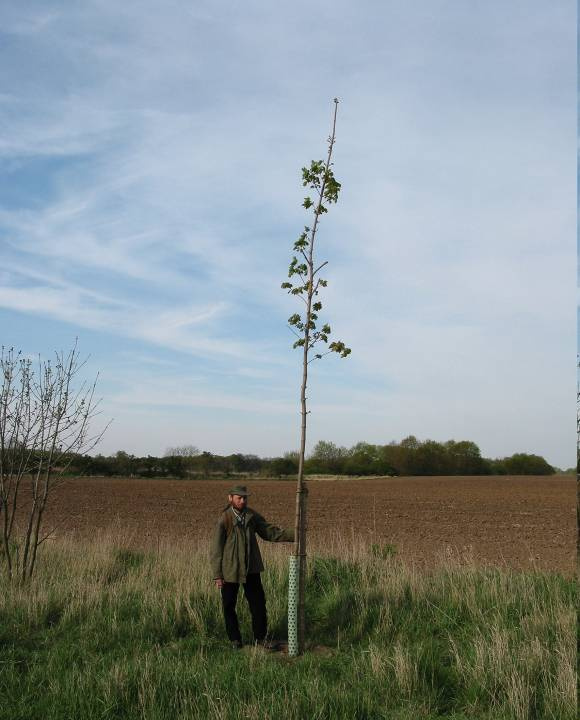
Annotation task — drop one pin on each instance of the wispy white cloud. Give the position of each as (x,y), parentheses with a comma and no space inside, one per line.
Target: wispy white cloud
(154,156)
(184,330)
(25,21)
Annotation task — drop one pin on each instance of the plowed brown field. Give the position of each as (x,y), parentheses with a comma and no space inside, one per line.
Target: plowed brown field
(519,522)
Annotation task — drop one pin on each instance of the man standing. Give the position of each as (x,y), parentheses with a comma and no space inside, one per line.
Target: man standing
(235,559)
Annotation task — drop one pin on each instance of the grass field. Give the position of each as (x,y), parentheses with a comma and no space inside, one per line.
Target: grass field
(109,631)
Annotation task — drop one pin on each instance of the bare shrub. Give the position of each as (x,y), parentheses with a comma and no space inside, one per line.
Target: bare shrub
(44,422)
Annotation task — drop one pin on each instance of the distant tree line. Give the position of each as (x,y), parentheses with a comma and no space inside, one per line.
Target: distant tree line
(408,457)
(415,457)
(175,463)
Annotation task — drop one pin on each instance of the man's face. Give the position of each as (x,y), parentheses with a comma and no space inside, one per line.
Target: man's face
(238,502)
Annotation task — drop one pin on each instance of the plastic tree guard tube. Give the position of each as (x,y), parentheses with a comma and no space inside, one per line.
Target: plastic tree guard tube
(293,605)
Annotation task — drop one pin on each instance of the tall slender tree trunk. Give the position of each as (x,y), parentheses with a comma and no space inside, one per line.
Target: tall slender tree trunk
(310,337)
(302,488)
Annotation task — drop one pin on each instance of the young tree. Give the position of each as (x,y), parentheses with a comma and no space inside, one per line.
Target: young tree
(44,422)
(306,283)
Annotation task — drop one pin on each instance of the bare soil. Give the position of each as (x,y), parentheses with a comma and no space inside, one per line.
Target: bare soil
(518,522)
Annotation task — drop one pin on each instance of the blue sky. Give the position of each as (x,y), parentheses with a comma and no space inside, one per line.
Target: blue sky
(151,157)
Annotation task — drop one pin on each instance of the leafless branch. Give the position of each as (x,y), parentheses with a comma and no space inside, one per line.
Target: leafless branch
(46,411)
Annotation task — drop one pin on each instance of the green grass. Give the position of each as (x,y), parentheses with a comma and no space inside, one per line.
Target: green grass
(105,631)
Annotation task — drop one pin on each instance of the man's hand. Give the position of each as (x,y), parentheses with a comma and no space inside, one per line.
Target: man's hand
(219,583)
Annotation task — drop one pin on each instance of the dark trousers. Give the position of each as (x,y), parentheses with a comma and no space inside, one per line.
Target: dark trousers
(254,593)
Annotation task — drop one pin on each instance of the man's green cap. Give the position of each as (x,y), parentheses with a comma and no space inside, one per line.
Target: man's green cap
(240,490)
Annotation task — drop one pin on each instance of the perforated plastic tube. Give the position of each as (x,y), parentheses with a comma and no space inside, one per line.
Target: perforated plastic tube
(294,572)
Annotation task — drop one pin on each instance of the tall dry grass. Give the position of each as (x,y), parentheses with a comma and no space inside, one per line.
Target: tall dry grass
(106,630)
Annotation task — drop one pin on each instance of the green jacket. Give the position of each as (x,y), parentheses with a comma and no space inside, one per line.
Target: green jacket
(234,552)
